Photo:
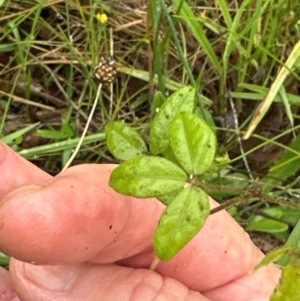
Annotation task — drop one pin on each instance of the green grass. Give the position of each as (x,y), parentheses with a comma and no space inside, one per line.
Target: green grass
(48,50)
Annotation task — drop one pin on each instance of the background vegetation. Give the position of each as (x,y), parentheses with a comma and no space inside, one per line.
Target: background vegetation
(230,51)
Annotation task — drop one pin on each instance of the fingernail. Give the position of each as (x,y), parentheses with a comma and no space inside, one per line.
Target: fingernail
(52,278)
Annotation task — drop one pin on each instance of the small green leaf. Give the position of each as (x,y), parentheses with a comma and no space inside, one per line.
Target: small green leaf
(147,177)
(181,101)
(181,221)
(193,142)
(274,256)
(157,102)
(123,141)
(267,225)
(220,162)
(273,211)
(19,140)
(51,134)
(288,287)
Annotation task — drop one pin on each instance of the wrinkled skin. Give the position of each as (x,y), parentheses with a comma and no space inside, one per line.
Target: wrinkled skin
(74,238)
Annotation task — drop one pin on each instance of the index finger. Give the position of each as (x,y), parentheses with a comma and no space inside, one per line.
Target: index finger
(15,171)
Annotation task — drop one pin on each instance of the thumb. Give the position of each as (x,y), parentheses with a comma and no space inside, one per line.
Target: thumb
(87,281)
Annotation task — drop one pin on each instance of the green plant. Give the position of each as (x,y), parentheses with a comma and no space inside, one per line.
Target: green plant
(182,155)
(188,145)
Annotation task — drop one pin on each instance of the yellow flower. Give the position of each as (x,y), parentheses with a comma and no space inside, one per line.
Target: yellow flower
(102,18)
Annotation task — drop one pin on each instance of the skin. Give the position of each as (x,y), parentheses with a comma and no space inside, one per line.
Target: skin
(74,238)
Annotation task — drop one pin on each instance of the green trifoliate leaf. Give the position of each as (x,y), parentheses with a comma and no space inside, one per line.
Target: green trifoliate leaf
(288,287)
(181,221)
(181,101)
(193,142)
(147,177)
(123,141)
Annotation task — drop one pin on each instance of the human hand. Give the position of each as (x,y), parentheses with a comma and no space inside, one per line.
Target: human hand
(88,242)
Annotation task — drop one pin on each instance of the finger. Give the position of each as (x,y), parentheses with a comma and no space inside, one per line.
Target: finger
(220,253)
(255,286)
(15,171)
(74,217)
(7,291)
(96,282)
